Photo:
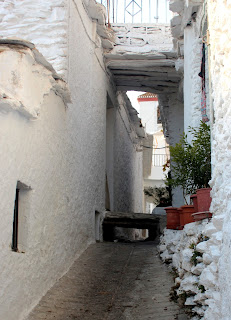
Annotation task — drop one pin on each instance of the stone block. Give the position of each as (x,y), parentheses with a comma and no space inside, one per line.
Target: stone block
(176,5)
(208,279)
(202,246)
(207,259)
(198,269)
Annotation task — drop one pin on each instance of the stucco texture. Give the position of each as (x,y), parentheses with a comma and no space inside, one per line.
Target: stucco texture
(58,151)
(58,213)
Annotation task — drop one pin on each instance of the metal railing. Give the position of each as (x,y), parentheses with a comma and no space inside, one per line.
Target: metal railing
(137,11)
(158,160)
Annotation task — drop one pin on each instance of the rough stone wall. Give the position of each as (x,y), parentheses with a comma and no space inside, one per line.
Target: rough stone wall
(194,257)
(41,22)
(220,39)
(192,82)
(188,28)
(146,38)
(193,35)
(216,274)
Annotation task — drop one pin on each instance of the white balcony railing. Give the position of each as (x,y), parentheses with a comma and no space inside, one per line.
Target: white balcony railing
(158,160)
(137,11)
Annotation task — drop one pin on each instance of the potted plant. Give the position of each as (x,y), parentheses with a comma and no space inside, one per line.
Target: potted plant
(161,197)
(191,164)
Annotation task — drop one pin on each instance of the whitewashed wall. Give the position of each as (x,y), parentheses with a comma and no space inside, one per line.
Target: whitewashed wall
(148,115)
(190,252)
(220,39)
(41,154)
(193,35)
(126,158)
(217,275)
(41,22)
(57,150)
(192,82)
(124,165)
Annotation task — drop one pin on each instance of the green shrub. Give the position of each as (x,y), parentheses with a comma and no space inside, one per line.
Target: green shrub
(191,162)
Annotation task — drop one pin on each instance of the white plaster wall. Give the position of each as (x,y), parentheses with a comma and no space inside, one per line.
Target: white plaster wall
(172,113)
(128,175)
(148,115)
(38,153)
(110,133)
(124,164)
(157,174)
(65,170)
(41,22)
(61,155)
(154,182)
(147,156)
(128,169)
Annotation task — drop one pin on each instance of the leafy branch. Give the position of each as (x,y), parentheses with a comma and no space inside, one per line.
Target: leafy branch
(191,163)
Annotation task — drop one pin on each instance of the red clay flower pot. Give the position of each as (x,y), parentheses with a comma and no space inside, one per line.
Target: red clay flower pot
(201,215)
(204,199)
(181,219)
(173,218)
(193,197)
(187,211)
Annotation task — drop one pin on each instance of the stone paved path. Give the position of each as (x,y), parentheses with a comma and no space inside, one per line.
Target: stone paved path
(112,281)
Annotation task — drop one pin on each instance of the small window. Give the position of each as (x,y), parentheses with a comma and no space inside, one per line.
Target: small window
(15,223)
(20,217)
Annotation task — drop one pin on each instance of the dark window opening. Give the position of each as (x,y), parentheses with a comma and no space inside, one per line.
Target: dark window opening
(20,218)
(15,223)
(158,115)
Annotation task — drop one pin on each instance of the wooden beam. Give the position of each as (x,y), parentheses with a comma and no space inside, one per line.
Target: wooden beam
(131,220)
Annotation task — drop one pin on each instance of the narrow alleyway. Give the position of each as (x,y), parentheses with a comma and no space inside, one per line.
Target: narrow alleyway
(112,281)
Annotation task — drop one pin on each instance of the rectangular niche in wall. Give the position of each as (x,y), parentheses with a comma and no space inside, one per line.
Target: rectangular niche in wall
(20,217)
(97,226)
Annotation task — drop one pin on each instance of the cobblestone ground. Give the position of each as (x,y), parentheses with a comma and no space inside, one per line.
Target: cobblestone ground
(112,281)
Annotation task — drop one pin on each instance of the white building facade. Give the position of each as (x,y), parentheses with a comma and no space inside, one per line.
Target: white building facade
(68,138)
(151,120)
(68,145)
